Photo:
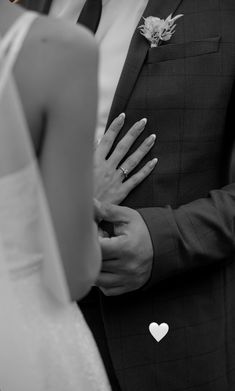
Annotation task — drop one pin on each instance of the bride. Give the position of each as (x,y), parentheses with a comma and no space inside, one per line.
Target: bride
(45,344)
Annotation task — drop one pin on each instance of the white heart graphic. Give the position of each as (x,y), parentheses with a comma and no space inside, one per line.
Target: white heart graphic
(158,331)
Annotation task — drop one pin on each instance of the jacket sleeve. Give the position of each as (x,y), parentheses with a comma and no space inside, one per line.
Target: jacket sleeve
(196,235)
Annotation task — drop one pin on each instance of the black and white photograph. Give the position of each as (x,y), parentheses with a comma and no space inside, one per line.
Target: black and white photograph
(117,195)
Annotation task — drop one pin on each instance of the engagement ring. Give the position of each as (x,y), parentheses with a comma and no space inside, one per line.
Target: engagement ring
(124,171)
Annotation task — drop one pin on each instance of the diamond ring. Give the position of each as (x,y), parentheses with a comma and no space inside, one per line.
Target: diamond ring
(124,171)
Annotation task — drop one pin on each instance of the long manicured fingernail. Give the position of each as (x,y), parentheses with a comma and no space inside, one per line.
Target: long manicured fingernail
(153,162)
(151,139)
(143,121)
(121,117)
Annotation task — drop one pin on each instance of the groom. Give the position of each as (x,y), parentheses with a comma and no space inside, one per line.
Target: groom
(173,261)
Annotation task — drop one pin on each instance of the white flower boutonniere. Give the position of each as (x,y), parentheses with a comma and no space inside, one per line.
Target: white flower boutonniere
(156,30)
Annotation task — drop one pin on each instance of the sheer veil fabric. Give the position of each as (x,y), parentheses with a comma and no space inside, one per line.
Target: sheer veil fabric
(45,344)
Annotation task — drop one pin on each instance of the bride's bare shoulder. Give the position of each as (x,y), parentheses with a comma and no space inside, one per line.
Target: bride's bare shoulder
(58,34)
(55,55)
(58,31)
(56,52)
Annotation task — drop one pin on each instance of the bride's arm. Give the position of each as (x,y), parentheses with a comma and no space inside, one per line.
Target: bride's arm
(67,159)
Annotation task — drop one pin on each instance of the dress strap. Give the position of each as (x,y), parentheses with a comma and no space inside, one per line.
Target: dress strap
(11,45)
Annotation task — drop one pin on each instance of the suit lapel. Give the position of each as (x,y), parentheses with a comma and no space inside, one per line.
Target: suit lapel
(138,50)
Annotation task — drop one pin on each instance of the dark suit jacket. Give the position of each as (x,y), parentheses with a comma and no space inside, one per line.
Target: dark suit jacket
(185,89)
(42,6)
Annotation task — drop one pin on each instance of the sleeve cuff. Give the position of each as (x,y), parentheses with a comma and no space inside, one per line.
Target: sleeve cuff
(163,233)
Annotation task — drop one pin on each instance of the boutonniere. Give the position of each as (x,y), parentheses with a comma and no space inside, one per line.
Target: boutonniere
(156,30)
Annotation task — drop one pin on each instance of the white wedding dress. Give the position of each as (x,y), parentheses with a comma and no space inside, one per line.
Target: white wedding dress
(45,344)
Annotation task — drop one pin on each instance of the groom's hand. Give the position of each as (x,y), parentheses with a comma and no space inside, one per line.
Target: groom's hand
(127,256)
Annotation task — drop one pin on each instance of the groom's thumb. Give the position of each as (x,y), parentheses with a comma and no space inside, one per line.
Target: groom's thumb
(113,213)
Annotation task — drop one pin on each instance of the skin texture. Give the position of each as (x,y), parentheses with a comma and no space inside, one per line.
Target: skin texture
(110,184)
(48,115)
(60,109)
(128,255)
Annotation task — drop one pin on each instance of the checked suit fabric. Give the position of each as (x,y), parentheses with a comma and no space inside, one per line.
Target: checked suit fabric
(185,89)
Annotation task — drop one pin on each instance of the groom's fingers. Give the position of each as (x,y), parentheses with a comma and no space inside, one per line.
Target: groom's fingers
(112,266)
(111,247)
(109,280)
(113,291)
(114,213)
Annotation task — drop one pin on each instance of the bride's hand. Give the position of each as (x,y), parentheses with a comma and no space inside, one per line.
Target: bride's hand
(108,176)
